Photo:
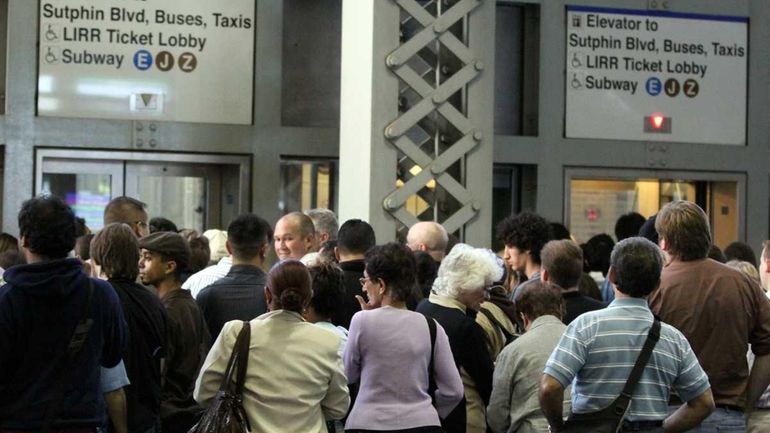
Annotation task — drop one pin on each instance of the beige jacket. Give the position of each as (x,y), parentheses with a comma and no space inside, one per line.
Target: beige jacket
(495,337)
(295,378)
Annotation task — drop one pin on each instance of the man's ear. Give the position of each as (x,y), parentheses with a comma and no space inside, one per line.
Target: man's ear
(663,244)
(170,267)
(611,275)
(229,248)
(268,296)
(337,253)
(544,275)
(23,242)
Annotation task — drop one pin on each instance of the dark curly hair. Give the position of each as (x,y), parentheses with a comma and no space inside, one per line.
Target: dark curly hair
(49,226)
(394,264)
(328,291)
(526,231)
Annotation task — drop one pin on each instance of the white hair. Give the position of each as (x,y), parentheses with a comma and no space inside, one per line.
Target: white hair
(324,221)
(466,268)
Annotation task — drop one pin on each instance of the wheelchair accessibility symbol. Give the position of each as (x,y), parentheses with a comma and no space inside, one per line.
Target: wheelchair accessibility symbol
(50,56)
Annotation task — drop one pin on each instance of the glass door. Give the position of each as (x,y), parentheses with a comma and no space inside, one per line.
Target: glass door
(187,194)
(596,199)
(87,186)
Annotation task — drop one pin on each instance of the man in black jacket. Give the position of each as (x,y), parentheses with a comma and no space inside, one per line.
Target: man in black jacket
(240,294)
(115,251)
(354,238)
(41,306)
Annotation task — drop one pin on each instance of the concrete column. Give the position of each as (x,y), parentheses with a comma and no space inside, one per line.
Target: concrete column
(368,101)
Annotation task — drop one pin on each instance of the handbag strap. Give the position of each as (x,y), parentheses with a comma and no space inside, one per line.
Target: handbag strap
(431,380)
(621,404)
(239,360)
(78,339)
(508,336)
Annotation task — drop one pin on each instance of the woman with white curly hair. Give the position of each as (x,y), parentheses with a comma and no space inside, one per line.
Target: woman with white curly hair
(461,286)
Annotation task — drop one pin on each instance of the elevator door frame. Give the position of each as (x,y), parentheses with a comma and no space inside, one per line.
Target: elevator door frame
(598,173)
(62,158)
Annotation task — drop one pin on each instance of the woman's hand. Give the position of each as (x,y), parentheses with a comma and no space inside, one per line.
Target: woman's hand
(364,305)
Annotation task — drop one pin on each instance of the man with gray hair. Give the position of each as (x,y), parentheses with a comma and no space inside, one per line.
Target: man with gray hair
(325,224)
(718,309)
(598,351)
(428,236)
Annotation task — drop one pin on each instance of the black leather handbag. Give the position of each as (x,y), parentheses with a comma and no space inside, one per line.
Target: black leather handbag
(226,413)
(610,419)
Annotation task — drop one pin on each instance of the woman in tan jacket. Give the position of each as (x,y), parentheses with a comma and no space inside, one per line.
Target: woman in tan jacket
(295,379)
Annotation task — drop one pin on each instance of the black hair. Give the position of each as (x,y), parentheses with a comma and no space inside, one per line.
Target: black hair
(715,253)
(394,264)
(328,289)
(526,231)
(636,264)
(647,230)
(160,224)
(48,225)
(355,237)
(740,251)
(247,235)
(559,232)
(427,270)
(597,252)
(628,225)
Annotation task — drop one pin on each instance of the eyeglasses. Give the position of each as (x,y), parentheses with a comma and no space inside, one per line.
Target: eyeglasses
(363,280)
(140,223)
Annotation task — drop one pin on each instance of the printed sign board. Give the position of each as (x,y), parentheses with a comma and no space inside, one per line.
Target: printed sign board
(656,76)
(174,60)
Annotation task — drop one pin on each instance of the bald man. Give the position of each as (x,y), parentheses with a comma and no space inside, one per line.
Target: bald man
(294,236)
(430,237)
(128,210)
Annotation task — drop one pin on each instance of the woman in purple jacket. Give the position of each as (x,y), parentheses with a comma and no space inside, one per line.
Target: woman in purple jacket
(389,352)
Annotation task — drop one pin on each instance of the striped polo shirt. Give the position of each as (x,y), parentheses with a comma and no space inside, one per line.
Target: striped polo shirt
(598,351)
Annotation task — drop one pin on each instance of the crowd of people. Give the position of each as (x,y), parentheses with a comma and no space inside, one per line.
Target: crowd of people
(130,329)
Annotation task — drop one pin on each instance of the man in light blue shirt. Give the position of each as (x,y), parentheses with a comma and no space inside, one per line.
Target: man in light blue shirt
(598,350)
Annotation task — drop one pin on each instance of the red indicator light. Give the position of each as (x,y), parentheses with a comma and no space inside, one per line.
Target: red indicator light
(657,120)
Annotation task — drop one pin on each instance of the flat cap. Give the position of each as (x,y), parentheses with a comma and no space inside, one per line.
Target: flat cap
(171,245)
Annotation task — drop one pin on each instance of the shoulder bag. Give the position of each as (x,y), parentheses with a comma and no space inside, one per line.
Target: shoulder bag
(226,413)
(610,419)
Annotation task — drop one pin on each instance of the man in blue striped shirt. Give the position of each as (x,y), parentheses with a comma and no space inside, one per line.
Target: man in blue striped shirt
(598,351)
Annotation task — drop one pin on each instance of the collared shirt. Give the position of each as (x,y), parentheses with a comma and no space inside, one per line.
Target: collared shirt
(514,405)
(240,295)
(599,350)
(720,311)
(517,291)
(204,278)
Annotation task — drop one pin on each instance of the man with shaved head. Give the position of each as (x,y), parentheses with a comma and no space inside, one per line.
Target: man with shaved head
(430,237)
(129,211)
(294,236)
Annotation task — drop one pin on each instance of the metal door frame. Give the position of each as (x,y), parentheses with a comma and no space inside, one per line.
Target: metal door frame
(242,162)
(598,173)
(96,166)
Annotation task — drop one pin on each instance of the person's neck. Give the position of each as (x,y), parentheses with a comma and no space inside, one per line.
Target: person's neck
(531,269)
(390,302)
(167,286)
(35,258)
(256,261)
(350,257)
